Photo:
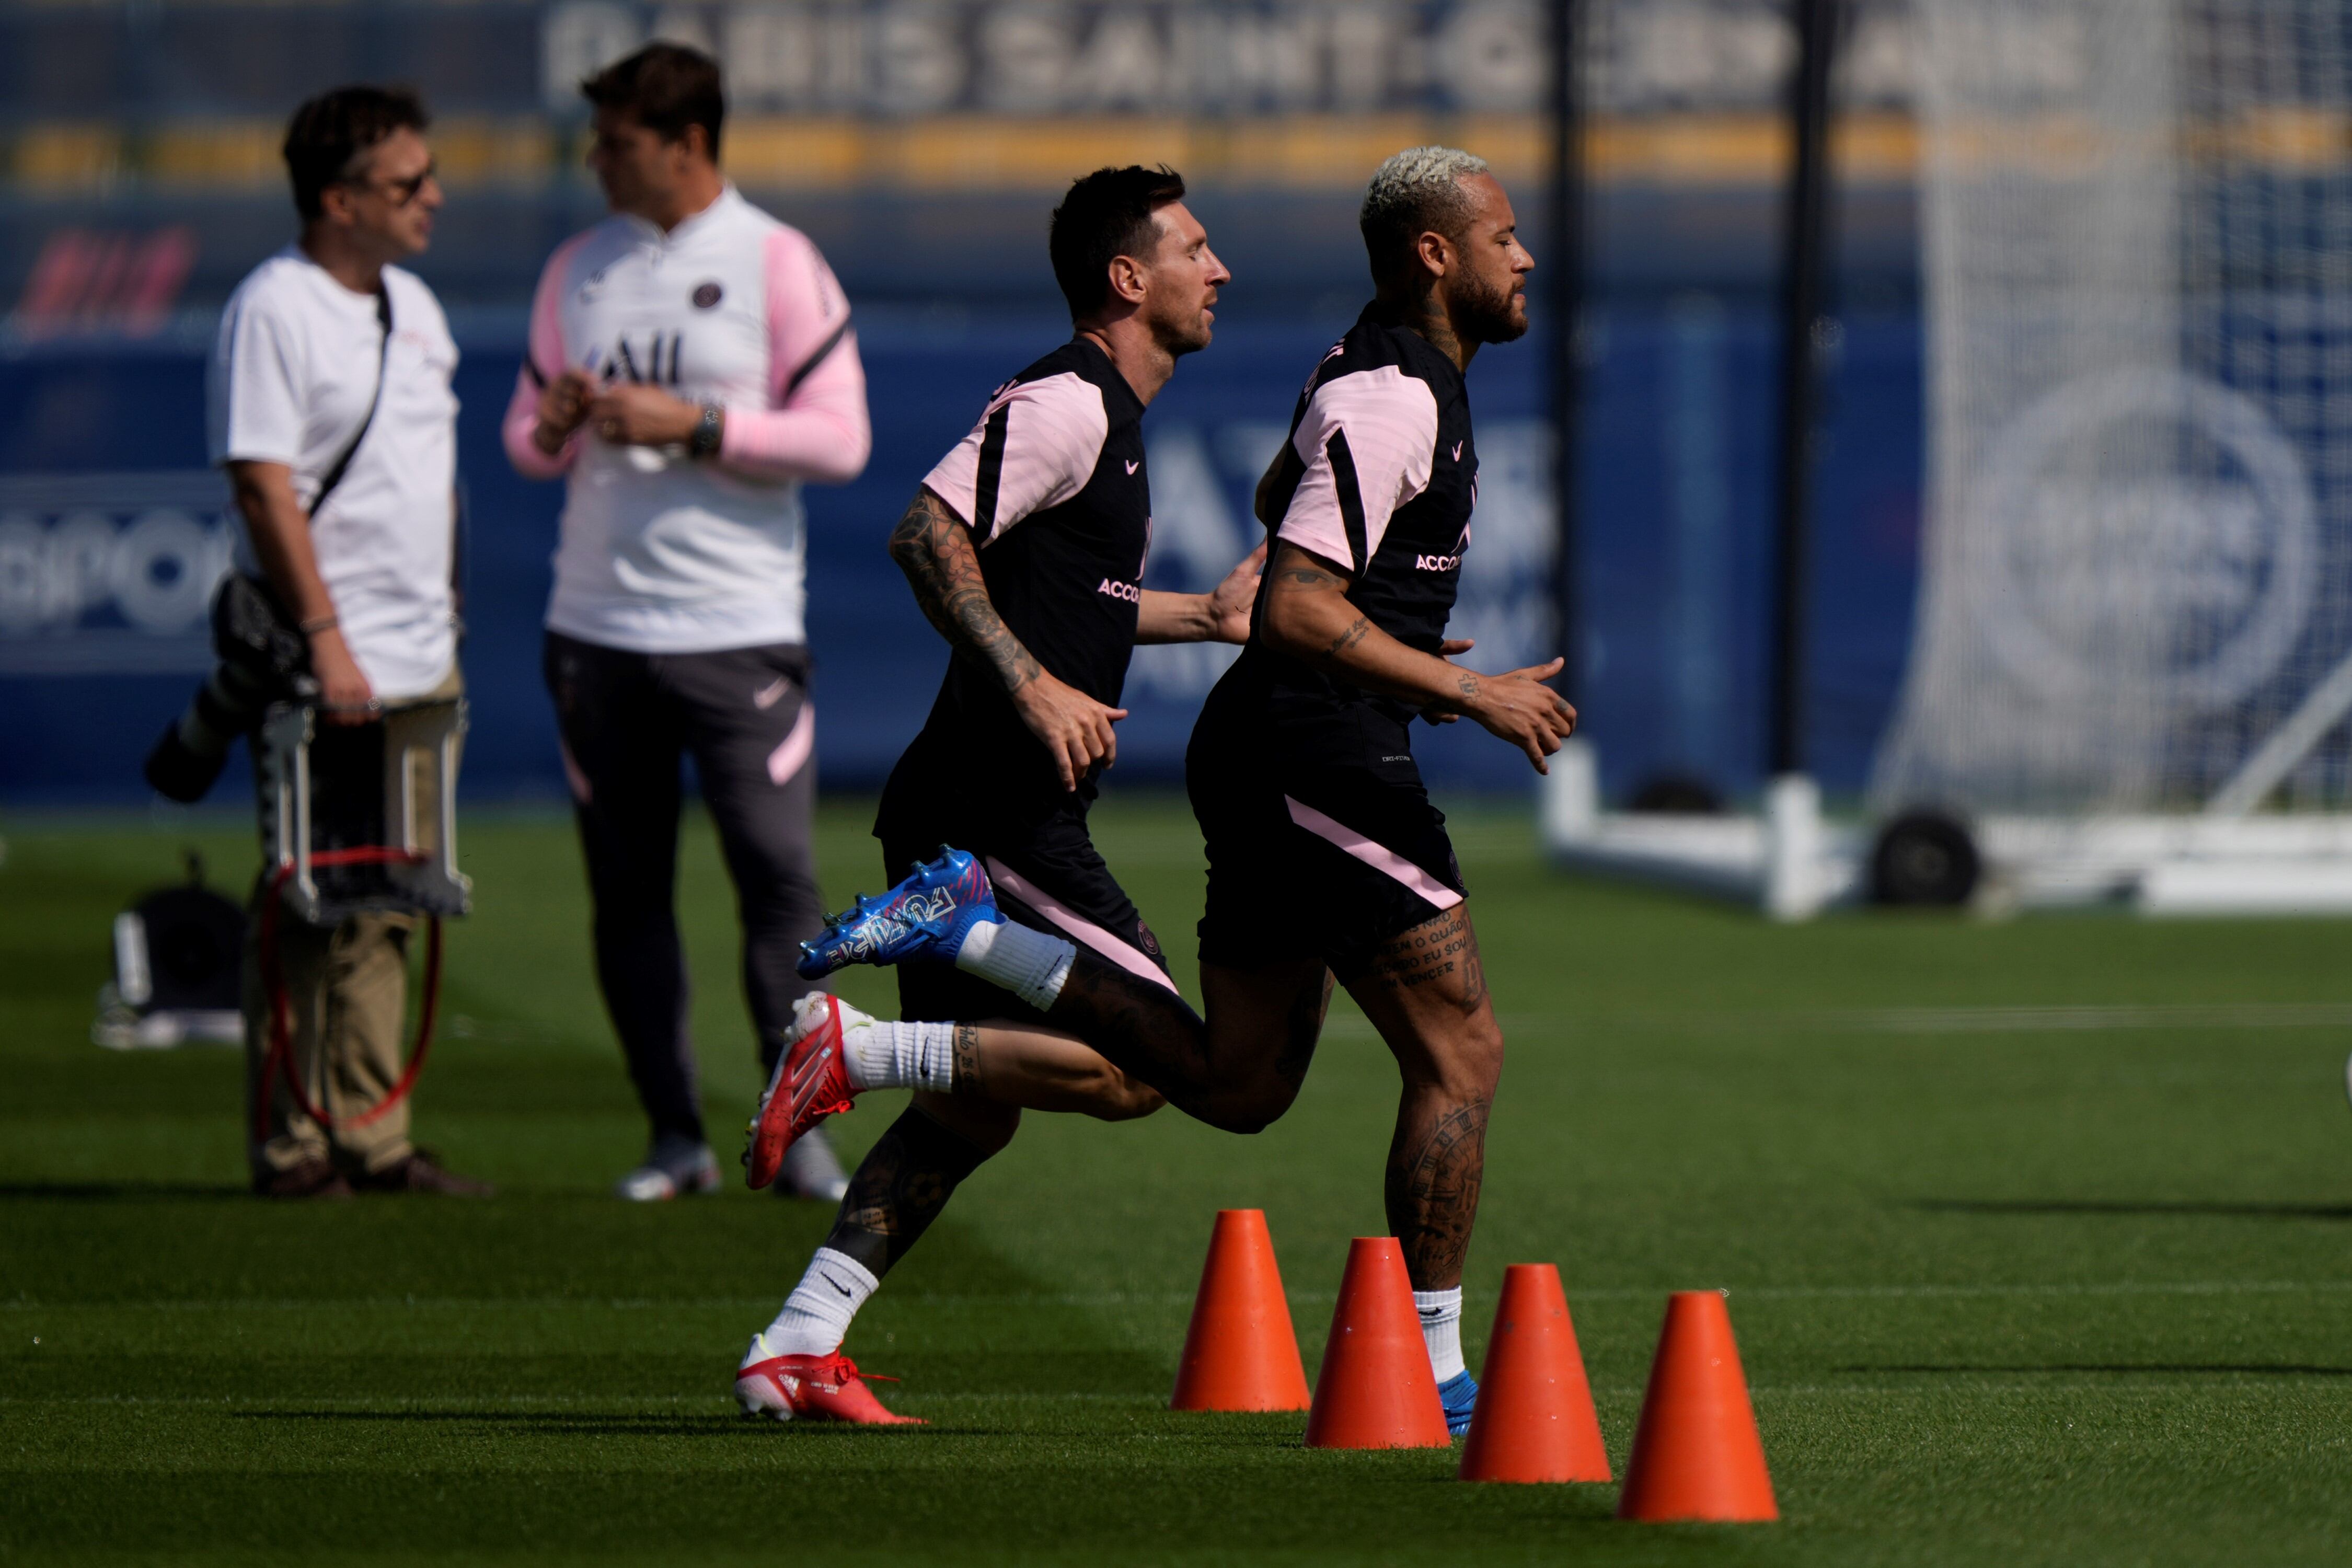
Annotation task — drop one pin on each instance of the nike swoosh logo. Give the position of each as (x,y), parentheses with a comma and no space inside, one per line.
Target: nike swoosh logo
(835,1284)
(767,697)
(1458,451)
(1132,467)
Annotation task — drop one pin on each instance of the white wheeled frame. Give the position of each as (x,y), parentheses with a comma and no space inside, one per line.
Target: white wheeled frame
(1790,862)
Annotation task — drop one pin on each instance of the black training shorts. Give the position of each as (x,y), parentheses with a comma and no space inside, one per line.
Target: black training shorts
(1321,839)
(1047,875)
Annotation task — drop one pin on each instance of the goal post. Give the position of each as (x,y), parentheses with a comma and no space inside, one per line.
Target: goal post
(2130,678)
(2136,598)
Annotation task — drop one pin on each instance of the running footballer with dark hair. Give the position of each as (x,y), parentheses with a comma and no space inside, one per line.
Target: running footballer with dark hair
(1025,548)
(1325,856)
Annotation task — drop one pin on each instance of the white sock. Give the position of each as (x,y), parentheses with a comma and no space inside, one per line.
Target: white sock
(1029,963)
(1441,1330)
(883,1054)
(817,1314)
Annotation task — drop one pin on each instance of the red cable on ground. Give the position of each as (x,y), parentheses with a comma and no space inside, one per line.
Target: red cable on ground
(281,1054)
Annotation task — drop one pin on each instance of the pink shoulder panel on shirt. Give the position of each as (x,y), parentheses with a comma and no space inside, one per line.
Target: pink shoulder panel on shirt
(544,352)
(1387,423)
(1035,447)
(816,426)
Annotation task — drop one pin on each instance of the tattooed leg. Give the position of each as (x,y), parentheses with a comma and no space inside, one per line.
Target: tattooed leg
(1426,993)
(906,1178)
(1437,1162)
(901,1186)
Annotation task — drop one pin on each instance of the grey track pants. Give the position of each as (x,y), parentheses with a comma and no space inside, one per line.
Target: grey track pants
(627,720)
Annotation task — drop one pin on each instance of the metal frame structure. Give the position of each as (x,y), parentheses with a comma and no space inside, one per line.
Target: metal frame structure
(426,880)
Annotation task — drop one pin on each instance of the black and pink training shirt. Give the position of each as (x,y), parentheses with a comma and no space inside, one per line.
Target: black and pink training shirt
(1051,483)
(1387,477)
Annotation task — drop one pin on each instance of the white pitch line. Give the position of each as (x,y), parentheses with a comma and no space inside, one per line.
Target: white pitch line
(2040,1020)
(2068,1018)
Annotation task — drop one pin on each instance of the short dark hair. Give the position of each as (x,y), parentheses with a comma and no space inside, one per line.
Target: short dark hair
(663,87)
(1107,213)
(329,134)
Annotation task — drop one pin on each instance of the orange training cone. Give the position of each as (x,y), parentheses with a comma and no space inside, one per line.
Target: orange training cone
(1376,1389)
(1241,1352)
(1695,1454)
(1535,1420)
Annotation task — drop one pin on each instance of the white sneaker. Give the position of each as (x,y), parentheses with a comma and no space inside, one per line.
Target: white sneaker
(664,1176)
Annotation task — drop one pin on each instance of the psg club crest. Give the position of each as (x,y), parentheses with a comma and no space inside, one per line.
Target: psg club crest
(705,295)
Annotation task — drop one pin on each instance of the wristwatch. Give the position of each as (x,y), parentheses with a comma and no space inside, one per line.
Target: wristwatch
(704,442)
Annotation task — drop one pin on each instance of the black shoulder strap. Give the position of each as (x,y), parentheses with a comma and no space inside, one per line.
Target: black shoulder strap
(335,475)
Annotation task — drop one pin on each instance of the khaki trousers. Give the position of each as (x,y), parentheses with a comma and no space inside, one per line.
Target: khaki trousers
(347,1005)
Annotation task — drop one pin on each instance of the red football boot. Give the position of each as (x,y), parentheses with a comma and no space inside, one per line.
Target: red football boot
(810,1082)
(809,1388)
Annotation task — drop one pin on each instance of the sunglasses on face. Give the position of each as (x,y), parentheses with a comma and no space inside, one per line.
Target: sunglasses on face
(402,192)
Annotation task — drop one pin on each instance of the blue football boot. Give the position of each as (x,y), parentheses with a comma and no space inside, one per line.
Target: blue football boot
(1459,1394)
(924,918)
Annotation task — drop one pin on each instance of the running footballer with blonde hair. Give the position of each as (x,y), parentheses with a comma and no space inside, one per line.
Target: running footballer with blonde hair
(1325,856)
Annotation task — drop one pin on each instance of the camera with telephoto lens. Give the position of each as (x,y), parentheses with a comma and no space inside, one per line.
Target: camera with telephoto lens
(263,660)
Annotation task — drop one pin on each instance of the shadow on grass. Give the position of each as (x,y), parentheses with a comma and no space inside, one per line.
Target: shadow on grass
(2131,1369)
(120,1192)
(2129,1207)
(566,1424)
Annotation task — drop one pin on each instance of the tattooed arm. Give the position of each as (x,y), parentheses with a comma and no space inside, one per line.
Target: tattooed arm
(1309,616)
(933,548)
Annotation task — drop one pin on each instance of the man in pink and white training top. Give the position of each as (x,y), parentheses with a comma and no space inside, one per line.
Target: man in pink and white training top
(691,364)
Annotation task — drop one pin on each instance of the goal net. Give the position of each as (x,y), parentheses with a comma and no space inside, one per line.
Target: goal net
(2136,576)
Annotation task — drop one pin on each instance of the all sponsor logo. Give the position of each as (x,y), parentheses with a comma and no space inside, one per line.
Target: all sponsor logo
(653,362)
(110,574)
(1132,592)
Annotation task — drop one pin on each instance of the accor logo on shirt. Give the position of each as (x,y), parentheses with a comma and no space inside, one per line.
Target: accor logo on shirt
(1446,563)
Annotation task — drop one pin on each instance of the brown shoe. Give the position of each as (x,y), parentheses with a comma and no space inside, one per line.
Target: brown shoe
(420,1173)
(309,1179)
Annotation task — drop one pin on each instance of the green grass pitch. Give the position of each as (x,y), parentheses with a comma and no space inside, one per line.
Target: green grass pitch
(2012,1287)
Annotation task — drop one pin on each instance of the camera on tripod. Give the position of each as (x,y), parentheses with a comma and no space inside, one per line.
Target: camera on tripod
(355,817)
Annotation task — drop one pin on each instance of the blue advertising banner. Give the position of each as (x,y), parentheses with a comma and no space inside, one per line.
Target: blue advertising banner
(112,533)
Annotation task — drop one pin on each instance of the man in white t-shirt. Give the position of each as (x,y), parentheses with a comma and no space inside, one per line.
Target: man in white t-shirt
(330,408)
(691,362)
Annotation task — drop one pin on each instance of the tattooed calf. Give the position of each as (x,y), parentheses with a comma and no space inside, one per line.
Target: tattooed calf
(1434,1175)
